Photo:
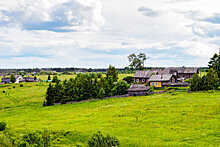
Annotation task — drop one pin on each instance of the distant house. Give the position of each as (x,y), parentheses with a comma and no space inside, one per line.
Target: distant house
(138,90)
(19,79)
(29,79)
(5,80)
(181,73)
(142,76)
(159,80)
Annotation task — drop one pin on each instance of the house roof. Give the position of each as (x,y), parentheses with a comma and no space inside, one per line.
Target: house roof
(143,74)
(190,70)
(138,87)
(160,78)
(175,69)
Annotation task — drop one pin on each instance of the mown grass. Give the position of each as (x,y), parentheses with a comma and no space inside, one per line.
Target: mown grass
(172,119)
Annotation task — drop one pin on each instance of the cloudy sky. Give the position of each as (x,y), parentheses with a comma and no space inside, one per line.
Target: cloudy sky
(96,33)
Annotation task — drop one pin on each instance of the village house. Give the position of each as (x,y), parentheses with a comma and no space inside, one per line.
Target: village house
(29,79)
(142,76)
(5,80)
(138,90)
(19,79)
(159,80)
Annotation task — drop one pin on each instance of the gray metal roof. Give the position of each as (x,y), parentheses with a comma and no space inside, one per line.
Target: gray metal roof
(138,87)
(160,78)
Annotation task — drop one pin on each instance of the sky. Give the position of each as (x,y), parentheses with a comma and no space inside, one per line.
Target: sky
(97,33)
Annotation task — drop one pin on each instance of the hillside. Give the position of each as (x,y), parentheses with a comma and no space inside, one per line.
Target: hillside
(172,119)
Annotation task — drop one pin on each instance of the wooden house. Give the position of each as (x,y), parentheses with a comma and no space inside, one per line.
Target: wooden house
(5,80)
(138,90)
(159,80)
(142,76)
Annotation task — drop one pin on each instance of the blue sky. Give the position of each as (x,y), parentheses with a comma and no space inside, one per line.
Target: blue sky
(96,33)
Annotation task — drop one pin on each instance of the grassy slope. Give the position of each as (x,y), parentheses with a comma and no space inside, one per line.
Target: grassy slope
(168,119)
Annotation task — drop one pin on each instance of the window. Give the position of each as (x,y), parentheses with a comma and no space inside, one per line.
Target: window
(143,80)
(155,83)
(137,80)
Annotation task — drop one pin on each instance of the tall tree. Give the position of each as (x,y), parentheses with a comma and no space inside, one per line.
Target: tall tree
(214,63)
(137,61)
(12,78)
(112,72)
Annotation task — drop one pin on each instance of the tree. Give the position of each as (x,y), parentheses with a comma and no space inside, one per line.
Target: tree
(196,83)
(214,63)
(35,78)
(212,80)
(112,72)
(12,78)
(55,79)
(137,61)
(49,101)
(48,78)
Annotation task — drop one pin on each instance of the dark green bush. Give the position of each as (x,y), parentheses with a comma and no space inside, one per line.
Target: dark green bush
(2,126)
(3,91)
(21,85)
(13,86)
(99,140)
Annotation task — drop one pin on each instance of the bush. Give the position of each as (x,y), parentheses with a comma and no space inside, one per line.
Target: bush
(21,85)
(3,91)
(2,126)
(35,139)
(99,140)
(13,86)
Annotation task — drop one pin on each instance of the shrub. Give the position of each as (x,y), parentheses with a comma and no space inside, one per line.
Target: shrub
(35,139)
(21,85)
(2,126)
(13,86)
(99,140)
(3,91)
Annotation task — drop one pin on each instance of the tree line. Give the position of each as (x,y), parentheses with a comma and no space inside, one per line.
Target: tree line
(85,86)
(210,81)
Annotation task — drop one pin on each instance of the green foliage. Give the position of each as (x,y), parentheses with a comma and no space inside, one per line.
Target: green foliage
(83,87)
(55,79)
(207,82)
(49,101)
(120,88)
(99,140)
(35,140)
(137,61)
(112,72)
(214,63)
(35,78)
(48,78)
(21,85)
(12,78)
(101,93)
(2,126)
(128,79)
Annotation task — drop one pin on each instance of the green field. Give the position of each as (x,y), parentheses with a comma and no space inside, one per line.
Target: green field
(172,119)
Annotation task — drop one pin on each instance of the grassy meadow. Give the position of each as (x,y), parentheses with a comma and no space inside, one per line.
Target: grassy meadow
(171,119)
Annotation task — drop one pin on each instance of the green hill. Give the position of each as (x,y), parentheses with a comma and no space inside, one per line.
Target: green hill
(172,119)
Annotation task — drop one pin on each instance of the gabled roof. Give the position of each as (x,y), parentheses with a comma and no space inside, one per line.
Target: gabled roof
(190,70)
(143,74)
(138,87)
(160,78)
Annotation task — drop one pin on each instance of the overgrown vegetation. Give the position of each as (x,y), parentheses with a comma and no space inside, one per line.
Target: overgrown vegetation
(2,126)
(85,86)
(99,140)
(210,81)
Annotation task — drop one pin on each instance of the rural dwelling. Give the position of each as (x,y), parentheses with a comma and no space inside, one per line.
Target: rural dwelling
(138,90)
(142,76)
(159,80)
(186,73)
(29,79)
(19,79)
(5,80)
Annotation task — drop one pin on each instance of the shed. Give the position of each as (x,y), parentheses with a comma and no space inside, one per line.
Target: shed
(138,90)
